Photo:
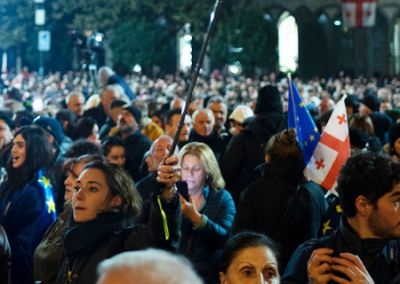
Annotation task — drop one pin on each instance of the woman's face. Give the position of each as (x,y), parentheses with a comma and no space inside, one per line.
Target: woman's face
(252,265)
(18,151)
(92,196)
(94,137)
(72,176)
(117,155)
(397,147)
(157,120)
(193,173)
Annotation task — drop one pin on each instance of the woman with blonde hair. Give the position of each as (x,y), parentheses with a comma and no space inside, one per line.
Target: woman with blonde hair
(208,213)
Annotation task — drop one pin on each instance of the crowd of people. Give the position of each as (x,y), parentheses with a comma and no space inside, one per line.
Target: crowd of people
(93,191)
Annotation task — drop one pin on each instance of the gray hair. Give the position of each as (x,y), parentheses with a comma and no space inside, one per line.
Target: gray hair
(105,73)
(149,266)
(73,93)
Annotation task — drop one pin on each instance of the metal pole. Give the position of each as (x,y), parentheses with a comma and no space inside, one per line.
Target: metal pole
(211,25)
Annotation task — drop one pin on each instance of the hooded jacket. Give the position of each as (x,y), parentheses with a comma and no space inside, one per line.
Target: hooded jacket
(246,151)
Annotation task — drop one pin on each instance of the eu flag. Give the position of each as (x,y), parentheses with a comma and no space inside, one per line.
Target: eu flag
(299,118)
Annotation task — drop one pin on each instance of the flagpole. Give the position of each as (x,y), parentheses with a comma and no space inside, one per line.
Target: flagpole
(292,98)
(213,16)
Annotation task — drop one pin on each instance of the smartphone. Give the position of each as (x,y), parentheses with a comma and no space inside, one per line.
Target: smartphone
(183,190)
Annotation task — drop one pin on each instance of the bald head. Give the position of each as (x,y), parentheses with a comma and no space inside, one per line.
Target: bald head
(75,102)
(147,266)
(203,122)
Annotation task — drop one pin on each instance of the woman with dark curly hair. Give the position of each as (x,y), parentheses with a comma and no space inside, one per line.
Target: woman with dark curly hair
(27,204)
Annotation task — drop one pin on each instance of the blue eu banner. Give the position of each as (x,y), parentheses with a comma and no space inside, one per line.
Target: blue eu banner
(299,118)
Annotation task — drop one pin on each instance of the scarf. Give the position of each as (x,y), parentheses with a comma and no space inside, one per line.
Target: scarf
(85,238)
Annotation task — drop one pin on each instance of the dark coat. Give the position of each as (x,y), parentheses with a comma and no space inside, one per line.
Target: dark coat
(147,186)
(49,253)
(264,203)
(203,244)
(214,141)
(382,124)
(245,152)
(98,114)
(106,128)
(87,244)
(136,145)
(378,256)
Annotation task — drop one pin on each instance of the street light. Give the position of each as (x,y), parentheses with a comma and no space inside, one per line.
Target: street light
(44,37)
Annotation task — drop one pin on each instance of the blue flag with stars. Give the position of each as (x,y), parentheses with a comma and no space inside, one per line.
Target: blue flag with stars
(299,118)
(48,214)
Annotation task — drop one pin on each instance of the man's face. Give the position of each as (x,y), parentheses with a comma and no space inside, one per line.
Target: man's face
(220,113)
(364,110)
(170,128)
(126,122)
(203,123)
(325,105)
(107,97)
(114,113)
(185,131)
(162,147)
(75,104)
(384,219)
(5,134)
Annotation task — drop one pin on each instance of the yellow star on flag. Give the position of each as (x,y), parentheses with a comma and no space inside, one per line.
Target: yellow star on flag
(339,209)
(316,130)
(301,104)
(306,143)
(45,181)
(51,205)
(326,227)
(312,137)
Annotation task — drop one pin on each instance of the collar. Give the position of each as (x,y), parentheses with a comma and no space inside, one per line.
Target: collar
(206,192)
(361,247)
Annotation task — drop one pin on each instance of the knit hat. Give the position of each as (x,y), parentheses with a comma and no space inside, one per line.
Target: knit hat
(268,100)
(394,134)
(52,126)
(240,113)
(135,112)
(372,102)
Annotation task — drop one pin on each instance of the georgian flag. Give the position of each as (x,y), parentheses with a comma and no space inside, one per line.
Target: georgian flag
(332,150)
(359,13)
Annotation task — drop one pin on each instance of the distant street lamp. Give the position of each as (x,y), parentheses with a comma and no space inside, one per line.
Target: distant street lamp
(44,37)
(184,48)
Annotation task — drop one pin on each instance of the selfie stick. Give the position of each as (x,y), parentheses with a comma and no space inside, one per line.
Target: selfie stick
(211,25)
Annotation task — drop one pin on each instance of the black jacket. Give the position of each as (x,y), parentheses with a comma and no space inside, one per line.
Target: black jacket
(245,152)
(379,257)
(264,203)
(87,244)
(106,128)
(98,114)
(214,141)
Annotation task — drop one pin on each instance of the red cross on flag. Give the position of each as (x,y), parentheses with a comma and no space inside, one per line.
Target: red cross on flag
(359,13)
(332,150)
